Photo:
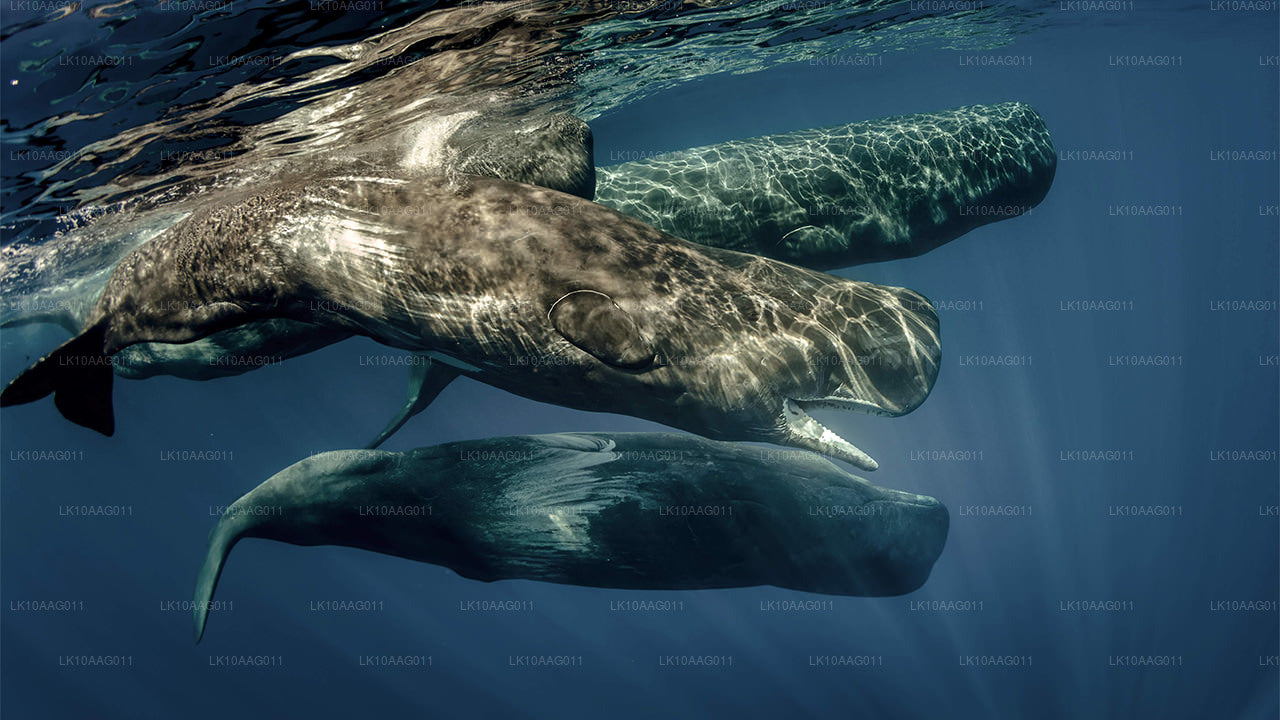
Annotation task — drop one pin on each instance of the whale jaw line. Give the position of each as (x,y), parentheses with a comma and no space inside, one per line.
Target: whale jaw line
(801,430)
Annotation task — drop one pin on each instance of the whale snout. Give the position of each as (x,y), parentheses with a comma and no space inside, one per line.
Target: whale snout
(899,354)
(882,358)
(910,537)
(891,545)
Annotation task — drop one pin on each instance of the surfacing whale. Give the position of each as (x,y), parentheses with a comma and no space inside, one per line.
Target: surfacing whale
(839,196)
(537,292)
(552,151)
(653,511)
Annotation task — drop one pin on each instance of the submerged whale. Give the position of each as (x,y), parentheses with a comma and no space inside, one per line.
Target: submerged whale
(556,151)
(839,196)
(222,354)
(537,292)
(552,151)
(654,511)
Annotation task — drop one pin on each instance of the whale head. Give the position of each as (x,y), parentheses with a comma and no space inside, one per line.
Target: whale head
(749,358)
(867,348)
(776,351)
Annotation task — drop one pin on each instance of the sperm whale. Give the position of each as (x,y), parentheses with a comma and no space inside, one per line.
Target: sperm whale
(534,291)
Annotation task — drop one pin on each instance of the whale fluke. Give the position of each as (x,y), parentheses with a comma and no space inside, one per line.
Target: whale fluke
(79,375)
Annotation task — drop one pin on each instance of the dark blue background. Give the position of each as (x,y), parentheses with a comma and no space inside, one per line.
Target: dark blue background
(1019,418)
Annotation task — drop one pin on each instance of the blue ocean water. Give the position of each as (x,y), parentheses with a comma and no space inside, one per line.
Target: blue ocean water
(1104,432)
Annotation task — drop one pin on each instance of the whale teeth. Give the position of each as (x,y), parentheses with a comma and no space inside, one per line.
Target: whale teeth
(805,432)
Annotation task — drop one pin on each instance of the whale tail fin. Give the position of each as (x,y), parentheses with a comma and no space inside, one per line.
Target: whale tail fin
(78,374)
(224,536)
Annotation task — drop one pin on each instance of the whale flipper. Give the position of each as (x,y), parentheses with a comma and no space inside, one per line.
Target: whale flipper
(594,323)
(426,380)
(78,374)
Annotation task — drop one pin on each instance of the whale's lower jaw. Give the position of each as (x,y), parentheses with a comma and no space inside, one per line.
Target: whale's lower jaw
(801,430)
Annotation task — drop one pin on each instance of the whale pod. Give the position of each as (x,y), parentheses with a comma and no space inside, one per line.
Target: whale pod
(654,511)
(887,170)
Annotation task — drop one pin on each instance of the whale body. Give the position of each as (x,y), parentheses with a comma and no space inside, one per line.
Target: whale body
(537,292)
(876,190)
(553,151)
(654,511)
(833,197)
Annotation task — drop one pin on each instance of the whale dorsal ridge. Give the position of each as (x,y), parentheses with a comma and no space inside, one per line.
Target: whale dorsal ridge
(593,322)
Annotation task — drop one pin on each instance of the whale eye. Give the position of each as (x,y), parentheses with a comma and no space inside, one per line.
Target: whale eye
(594,323)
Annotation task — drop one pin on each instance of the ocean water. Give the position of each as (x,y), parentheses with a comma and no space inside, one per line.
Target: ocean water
(1104,428)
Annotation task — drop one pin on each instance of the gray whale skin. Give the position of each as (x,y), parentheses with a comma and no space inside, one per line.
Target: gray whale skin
(613,510)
